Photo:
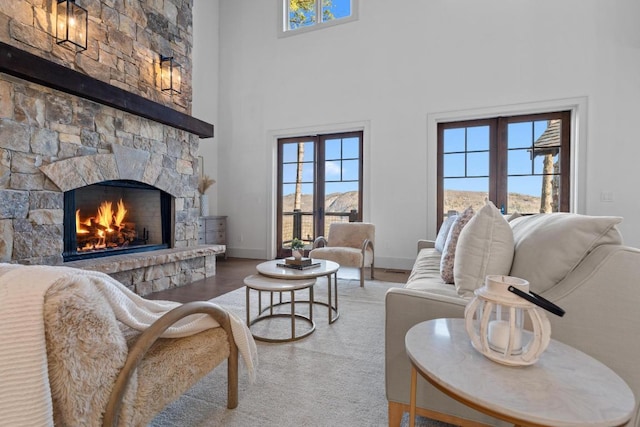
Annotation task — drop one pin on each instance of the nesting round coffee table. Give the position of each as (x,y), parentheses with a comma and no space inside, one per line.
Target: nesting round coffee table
(325,268)
(261,284)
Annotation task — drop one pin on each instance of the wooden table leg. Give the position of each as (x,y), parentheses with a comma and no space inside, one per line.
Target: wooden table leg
(412,399)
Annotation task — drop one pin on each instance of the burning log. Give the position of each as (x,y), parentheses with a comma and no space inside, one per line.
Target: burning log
(105,230)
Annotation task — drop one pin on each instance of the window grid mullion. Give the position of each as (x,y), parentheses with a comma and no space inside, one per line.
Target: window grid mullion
(533,153)
(466,152)
(318,11)
(499,182)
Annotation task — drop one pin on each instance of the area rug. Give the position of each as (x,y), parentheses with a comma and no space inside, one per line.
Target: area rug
(333,377)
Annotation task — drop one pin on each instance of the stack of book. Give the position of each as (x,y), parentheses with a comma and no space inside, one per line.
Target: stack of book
(299,263)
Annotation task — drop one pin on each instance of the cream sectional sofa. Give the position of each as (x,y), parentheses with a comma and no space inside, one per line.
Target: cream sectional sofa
(577,261)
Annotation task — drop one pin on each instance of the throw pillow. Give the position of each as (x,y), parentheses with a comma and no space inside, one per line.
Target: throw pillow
(550,246)
(513,216)
(441,238)
(449,251)
(485,246)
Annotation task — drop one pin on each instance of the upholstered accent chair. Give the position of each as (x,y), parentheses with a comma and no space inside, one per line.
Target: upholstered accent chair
(105,373)
(350,244)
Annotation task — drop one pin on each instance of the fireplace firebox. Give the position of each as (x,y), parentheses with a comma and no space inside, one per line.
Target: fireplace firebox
(115,217)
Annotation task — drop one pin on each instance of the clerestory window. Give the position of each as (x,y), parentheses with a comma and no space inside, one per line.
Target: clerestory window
(303,15)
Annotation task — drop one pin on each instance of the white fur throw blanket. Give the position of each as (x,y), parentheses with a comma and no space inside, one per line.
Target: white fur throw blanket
(25,398)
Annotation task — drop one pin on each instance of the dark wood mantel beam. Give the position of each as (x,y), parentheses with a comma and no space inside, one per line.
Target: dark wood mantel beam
(22,64)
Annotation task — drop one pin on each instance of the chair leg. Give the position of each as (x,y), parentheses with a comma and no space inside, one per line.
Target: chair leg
(232,378)
(362,277)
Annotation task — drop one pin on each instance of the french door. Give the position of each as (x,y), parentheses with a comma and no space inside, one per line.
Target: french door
(520,163)
(319,182)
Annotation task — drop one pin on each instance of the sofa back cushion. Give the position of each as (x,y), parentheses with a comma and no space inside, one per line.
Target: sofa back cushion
(443,233)
(550,246)
(485,246)
(449,251)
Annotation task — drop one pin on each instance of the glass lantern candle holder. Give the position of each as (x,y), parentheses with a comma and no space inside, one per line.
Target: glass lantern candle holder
(495,320)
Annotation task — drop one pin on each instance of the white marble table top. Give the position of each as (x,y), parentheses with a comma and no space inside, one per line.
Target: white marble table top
(566,387)
(271,269)
(262,283)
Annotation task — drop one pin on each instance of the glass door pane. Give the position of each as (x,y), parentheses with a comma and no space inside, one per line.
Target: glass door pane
(297,192)
(533,157)
(341,180)
(465,174)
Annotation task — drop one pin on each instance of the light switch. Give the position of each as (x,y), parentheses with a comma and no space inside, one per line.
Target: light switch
(606,196)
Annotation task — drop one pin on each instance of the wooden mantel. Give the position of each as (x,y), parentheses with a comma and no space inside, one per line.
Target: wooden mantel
(22,64)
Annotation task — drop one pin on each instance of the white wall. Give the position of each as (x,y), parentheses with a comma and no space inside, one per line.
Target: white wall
(206,57)
(395,69)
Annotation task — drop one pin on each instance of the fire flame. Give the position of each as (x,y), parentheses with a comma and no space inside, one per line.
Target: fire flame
(108,220)
(79,229)
(104,215)
(120,213)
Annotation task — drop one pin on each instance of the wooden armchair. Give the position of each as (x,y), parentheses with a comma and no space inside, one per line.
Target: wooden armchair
(103,372)
(349,244)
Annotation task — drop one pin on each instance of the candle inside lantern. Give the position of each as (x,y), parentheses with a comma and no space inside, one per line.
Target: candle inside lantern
(498,335)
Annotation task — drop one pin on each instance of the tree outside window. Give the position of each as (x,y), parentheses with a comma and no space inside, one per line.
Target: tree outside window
(305,13)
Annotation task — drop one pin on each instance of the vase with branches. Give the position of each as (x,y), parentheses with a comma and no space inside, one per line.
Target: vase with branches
(203,185)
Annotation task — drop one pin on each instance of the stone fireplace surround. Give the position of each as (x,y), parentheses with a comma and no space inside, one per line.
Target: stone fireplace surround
(52,142)
(55,142)
(67,122)
(39,164)
(148,271)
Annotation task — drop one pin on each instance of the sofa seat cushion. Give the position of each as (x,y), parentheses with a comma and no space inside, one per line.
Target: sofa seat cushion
(550,246)
(434,288)
(426,266)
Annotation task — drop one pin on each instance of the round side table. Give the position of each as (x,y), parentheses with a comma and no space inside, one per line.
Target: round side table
(260,283)
(566,387)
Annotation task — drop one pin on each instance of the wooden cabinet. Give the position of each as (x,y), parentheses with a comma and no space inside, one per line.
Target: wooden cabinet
(212,230)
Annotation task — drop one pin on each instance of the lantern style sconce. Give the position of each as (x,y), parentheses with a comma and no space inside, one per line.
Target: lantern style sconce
(495,319)
(71,25)
(170,78)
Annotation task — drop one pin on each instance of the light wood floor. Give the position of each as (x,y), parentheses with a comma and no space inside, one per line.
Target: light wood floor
(229,276)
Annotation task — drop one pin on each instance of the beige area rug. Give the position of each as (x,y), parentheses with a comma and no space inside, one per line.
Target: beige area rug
(334,377)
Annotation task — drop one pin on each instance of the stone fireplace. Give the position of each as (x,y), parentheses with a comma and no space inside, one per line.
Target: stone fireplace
(115,217)
(100,119)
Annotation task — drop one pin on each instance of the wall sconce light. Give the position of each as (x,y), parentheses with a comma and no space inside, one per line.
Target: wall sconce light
(71,25)
(170,78)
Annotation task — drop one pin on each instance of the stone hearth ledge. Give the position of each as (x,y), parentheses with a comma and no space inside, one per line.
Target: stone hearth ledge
(146,272)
